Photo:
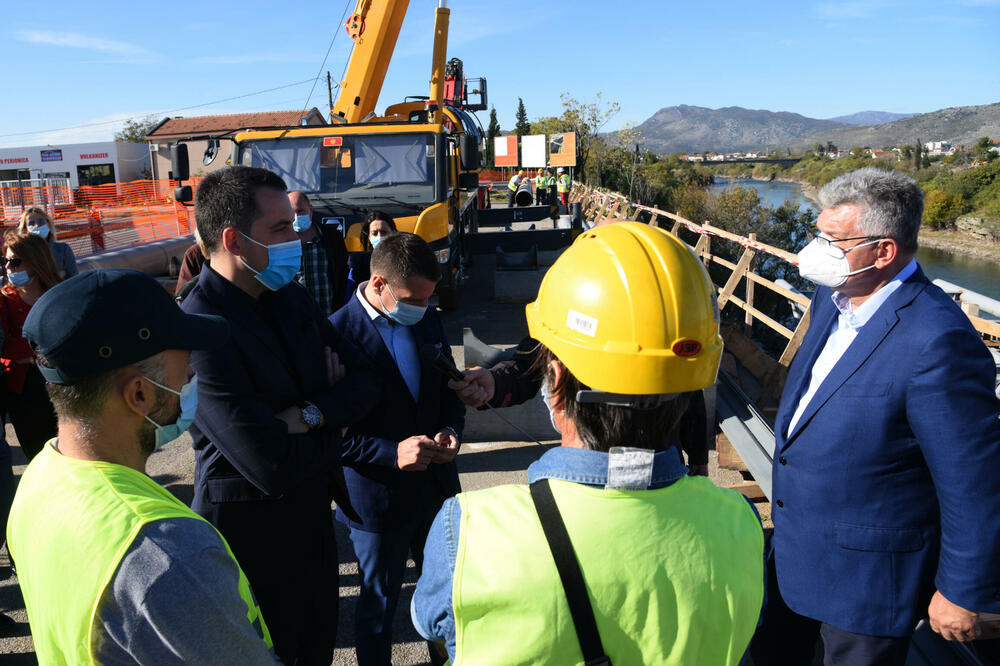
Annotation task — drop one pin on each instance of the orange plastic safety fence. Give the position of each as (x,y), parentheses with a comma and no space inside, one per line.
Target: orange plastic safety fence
(104,217)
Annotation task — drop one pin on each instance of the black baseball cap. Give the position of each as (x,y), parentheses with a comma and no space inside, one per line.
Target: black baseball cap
(105,319)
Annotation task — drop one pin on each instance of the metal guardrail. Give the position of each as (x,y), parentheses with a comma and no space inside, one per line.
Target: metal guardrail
(747,429)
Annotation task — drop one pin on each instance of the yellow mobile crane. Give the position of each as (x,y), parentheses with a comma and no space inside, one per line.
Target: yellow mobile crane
(414,162)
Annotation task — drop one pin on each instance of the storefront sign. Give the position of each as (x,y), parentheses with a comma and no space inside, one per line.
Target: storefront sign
(52,155)
(14,160)
(93,156)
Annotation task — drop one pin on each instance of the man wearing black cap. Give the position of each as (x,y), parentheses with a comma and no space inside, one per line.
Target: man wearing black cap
(274,401)
(112,567)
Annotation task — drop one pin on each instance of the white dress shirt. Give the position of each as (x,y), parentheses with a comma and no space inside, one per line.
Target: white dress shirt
(842,334)
(399,342)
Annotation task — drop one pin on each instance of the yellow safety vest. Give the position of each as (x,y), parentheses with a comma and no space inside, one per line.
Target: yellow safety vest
(540,182)
(563,183)
(551,181)
(675,575)
(512,185)
(71,523)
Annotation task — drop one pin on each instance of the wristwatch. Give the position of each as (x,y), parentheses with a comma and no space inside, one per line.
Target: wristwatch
(312,416)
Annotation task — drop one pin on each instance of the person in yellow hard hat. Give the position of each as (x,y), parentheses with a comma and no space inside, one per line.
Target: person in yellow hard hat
(541,183)
(612,554)
(512,185)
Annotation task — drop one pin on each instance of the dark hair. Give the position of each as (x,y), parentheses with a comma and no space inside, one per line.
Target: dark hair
(603,426)
(401,256)
(366,225)
(84,400)
(228,198)
(36,254)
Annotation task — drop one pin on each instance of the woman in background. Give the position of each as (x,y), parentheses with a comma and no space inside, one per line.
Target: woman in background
(35,220)
(377,225)
(31,271)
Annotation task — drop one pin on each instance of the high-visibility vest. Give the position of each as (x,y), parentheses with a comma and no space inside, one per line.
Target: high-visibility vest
(71,523)
(675,575)
(563,183)
(540,181)
(514,182)
(552,181)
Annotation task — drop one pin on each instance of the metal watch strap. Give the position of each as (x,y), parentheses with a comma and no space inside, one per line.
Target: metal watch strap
(569,573)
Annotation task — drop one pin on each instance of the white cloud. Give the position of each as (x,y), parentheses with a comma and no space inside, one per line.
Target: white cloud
(78,41)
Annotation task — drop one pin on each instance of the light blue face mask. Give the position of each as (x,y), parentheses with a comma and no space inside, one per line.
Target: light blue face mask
(189,405)
(375,240)
(547,399)
(42,230)
(19,278)
(302,223)
(403,314)
(284,260)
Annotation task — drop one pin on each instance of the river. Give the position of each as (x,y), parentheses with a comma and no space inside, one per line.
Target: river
(970,272)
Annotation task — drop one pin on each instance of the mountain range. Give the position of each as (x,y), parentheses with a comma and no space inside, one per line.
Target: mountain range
(686,128)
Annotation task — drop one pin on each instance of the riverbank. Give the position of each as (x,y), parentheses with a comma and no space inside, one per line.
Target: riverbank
(958,243)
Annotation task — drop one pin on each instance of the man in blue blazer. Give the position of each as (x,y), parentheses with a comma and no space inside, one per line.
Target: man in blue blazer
(388,318)
(272,404)
(886,499)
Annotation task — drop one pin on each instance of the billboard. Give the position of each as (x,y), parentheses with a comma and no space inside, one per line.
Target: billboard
(505,151)
(52,155)
(562,149)
(533,151)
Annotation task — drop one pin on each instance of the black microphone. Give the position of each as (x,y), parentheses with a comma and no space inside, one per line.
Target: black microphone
(432,354)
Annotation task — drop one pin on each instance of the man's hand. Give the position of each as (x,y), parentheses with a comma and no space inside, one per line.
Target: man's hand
(414,453)
(953,622)
(334,370)
(446,447)
(476,387)
(293,419)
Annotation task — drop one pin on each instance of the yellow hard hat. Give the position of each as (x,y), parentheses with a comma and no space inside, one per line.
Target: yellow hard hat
(630,310)
(521,172)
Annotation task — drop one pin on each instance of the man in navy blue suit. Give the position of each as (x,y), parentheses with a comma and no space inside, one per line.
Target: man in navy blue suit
(272,405)
(886,497)
(388,318)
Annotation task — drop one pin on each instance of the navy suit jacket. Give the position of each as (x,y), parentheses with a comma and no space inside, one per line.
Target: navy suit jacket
(385,496)
(888,486)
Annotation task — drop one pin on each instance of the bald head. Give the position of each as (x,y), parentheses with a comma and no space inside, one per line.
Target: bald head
(300,203)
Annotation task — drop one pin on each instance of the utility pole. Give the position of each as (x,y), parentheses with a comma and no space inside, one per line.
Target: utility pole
(329,92)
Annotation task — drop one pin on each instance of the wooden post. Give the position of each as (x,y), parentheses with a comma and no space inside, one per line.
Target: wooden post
(703,248)
(796,341)
(734,278)
(654,220)
(748,320)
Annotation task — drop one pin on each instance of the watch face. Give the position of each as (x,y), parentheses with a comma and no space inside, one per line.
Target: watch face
(312,416)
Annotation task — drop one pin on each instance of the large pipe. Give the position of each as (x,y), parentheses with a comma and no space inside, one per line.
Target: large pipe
(523,196)
(441,15)
(160,258)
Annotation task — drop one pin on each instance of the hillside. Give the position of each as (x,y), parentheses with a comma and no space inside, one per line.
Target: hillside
(871,117)
(960,125)
(685,128)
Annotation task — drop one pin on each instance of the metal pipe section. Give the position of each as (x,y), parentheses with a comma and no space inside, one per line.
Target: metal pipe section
(985,303)
(524,195)
(159,259)
(441,17)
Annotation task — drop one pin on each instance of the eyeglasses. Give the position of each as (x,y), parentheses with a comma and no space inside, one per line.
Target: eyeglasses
(827,240)
(13,263)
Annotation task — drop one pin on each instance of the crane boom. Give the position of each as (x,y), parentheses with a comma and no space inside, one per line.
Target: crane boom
(374,27)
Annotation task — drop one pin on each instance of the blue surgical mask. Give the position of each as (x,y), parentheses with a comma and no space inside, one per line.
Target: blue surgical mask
(189,405)
(302,223)
(403,314)
(284,261)
(375,240)
(42,230)
(19,278)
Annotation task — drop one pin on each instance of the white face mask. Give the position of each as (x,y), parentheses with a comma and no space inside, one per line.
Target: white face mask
(548,404)
(826,264)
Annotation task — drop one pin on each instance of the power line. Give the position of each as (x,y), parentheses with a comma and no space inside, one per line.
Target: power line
(163,113)
(328,49)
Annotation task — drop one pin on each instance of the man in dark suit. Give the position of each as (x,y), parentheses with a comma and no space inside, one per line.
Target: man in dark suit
(324,256)
(389,319)
(886,496)
(272,405)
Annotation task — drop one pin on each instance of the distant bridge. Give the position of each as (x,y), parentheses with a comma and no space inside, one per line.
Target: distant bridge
(783,161)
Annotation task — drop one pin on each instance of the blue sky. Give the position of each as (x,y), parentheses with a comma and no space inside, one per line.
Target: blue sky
(71,63)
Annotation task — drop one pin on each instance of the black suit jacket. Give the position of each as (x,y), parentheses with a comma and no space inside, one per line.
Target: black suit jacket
(383,495)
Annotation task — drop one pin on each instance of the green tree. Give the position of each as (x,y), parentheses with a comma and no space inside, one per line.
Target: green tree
(941,209)
(521,127)
(492,132)
(135,129)
(918,150)
(981,150)
(587,119)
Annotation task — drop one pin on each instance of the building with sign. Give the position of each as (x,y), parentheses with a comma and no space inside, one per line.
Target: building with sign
(79,163)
